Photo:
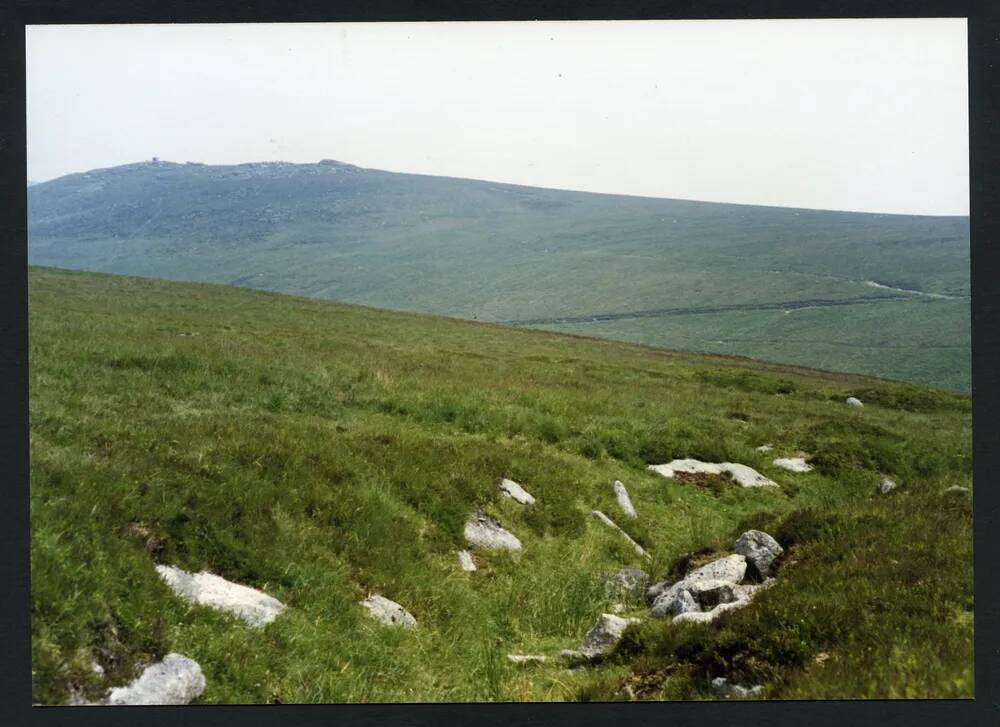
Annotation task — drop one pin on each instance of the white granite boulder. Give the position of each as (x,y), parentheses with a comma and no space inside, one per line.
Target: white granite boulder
(602,639)
(627,581)
(206,589)
(760,550)
(853,401)
(624,501)
(388,612)
(175,680)
(668,599)
(485,532)
(724,688)
(793,464)
(515,492)
(525,659)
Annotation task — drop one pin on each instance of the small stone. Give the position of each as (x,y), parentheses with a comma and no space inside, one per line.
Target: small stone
(852,401)
(602,639)
(616,608)
(175,680)
(572,656)
(523,659)
(765,448)
(388,612)
(624,502)
(206,589)
(465,559)
(759,548)
(956,490)
(517,493)
(886,485)
(485,532)
(793,464)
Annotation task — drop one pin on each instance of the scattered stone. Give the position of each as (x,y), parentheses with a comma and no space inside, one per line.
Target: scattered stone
(517,493)
(96,668)
(389,612)
(760,550)
(465,558)
(611,524)
(624,502)
(674,604)
(175,680)
(616,608)
(206,589)
(601,639)
(743,475)
(886,485)
(628,581)
(956,490)
(486,532)
(526,659)
(709,594)
(727,689)
(852,401)
(793,464)
(765,448)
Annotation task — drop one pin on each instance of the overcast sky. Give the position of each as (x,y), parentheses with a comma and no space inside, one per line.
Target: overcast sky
(835,114)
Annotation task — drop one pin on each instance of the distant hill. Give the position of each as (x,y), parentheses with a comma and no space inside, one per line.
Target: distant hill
(886,295)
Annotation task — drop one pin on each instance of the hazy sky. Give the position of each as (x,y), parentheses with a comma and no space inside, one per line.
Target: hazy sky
(837,114)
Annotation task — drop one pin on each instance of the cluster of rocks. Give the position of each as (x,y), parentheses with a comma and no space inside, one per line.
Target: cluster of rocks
(717,587)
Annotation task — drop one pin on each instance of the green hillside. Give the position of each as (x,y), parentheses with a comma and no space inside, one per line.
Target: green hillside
(787,285)
(321,452)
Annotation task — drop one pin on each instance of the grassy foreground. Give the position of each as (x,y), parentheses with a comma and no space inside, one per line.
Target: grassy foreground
(321,452)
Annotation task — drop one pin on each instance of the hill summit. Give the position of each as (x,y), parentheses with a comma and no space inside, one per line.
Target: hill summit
(886,295)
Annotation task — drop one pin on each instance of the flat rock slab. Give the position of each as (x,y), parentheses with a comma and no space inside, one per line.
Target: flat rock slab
(175,680)
(743,475)
(853,401)
(388,612)
(465,560)
(597,514)
(793,464)
(515,492)
(525,659)
(624,501)
(206,589)
(759,548)
(485,532)
(605,635)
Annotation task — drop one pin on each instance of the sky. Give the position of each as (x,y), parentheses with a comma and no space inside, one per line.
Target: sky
(865,115)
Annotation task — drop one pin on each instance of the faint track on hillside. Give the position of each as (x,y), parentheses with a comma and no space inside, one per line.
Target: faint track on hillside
(701,310)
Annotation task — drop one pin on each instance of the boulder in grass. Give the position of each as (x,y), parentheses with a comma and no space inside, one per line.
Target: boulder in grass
(526,659)
(597,514)
(674,604)
(886,485)
(853,401)
(760,550)
(793,464)
(388,612)
(765,448)
(709,594)
(602,639)
(515,492)
(206,589)
(730,569)
(485,532)
(743,475)
(624,501)
(175,680)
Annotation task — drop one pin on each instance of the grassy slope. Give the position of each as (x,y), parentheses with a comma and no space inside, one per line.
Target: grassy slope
(503,253)
(321,451)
